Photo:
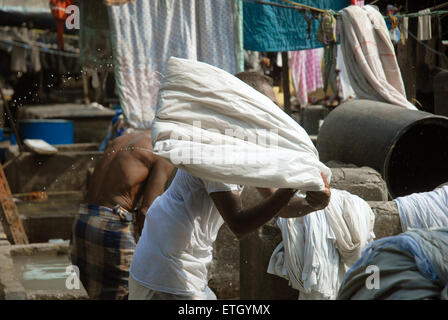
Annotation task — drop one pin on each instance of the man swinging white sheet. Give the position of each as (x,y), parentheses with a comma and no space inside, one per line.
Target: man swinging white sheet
(175,248)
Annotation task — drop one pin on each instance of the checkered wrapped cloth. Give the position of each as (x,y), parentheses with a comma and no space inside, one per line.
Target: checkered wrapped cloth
(102,247)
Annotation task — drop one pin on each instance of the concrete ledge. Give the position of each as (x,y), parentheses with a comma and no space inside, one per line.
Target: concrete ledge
(63,171)
(364,182)
(387,218)
(39,248)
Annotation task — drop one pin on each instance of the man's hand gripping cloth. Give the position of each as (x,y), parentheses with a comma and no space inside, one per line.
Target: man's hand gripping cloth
(216,127)
(318,249)
(425,210)
(370,58)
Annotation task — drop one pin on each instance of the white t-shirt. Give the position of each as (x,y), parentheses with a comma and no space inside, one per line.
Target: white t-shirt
(175,248)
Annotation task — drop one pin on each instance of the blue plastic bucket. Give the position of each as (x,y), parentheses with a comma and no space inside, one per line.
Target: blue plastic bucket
(53,131)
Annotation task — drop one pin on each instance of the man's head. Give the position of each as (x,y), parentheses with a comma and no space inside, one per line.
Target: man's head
(259,82)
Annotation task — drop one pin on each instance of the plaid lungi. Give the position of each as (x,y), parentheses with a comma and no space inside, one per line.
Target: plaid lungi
(102,246)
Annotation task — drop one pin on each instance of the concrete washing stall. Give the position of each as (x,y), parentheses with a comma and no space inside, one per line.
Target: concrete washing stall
(63,176)
(36,272)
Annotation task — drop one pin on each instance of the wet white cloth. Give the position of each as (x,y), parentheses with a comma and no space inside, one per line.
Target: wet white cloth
(425,210)
(319,248)
(146,33)
(218,128)
(369,57)
(175,248)
(424,25)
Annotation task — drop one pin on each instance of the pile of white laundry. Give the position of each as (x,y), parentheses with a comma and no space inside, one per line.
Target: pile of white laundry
(216,127)
(319,248)
(425,210)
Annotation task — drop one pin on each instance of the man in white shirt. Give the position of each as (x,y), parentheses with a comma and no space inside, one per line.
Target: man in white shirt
(175,248)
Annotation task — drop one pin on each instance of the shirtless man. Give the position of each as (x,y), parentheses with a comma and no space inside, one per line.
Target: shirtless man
(124,184)
(175,248)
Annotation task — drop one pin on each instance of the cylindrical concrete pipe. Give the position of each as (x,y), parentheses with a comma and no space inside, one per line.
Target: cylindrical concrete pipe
(409,148)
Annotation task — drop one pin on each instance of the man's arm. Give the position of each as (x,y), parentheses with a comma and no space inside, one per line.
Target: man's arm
(154,187)
(242,221)
(298,206)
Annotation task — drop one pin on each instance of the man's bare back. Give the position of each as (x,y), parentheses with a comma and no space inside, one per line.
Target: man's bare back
(129,173)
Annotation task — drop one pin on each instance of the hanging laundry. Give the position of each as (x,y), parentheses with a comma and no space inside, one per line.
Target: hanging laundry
(410,266)
(146,33)
(424,210)
(405,27)
(327,29)
(19,56)
(318,249)
(393,24)
(394,29)
(345,89)
(18,59)
(271,28)
(306,72)
(36,65)
(369,57)
(358,3)
(424,25)
(329,69)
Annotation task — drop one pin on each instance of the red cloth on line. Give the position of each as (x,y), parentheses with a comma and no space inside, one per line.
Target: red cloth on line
(58,8)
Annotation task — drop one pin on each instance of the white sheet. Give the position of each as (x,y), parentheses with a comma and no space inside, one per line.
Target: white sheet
(425,210)
(146,33)
(243,138)
(319,248)
(369,57)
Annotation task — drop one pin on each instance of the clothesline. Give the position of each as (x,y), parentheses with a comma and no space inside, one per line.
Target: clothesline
(441,54)
(41,48)
(417,14)
(302,7)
